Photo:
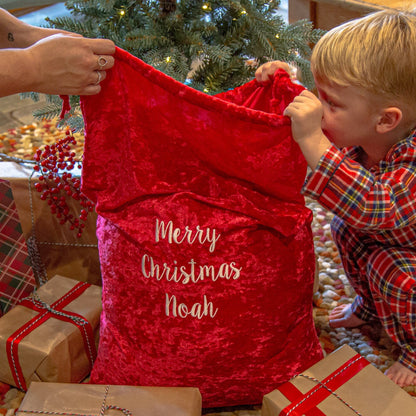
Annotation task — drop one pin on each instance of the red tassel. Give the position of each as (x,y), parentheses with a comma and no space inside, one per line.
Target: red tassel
(66,107)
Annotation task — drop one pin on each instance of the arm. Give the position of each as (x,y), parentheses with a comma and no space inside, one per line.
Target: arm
(342,185)
(16,34)
(364,200)
(385,201)
(58,64)
(49,61)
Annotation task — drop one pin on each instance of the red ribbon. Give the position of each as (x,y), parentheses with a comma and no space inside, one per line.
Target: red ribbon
(305,403)
(292,393)
(44,314)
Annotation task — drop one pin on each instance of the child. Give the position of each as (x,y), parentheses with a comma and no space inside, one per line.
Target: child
(365,74)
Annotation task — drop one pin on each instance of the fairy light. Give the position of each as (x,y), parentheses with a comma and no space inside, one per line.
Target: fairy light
(122,12)
(243,12)
(168,59)
(277,36)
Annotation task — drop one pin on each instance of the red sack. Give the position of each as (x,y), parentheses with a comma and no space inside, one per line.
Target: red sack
(205,243)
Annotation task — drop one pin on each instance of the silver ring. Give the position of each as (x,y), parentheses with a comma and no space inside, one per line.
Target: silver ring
(102,62)
(98,77)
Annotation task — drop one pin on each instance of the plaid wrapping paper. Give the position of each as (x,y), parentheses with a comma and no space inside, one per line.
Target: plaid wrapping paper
(16,276)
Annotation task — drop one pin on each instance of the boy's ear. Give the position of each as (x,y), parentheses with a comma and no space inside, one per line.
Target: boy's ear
(389,119)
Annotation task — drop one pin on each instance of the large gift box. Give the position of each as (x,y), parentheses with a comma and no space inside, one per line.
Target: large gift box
(61,251)
(92,399)
(51,336)
(343,384)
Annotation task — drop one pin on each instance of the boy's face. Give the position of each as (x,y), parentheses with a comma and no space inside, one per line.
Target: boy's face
(349,119)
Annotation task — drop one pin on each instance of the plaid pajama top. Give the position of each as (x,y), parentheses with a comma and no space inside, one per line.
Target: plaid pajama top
(377,208)
(380,201)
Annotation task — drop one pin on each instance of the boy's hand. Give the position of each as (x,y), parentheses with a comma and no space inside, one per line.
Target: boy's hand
(265,72)
(306,114)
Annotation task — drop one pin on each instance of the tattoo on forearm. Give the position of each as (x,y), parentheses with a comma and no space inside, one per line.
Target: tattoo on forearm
(10,37)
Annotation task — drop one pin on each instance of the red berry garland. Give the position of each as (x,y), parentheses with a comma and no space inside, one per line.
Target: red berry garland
(56,183)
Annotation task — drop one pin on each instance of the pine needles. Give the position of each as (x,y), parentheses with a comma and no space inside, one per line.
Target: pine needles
(213,45)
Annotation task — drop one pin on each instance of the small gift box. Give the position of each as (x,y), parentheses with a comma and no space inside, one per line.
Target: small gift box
(94,399)
(51,336)
(61,251)
(343,384)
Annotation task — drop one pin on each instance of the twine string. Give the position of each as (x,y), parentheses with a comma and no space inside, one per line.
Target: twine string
(103,404)
(36,260)
(36,300)
(329,390)
(332,392)
(104,407)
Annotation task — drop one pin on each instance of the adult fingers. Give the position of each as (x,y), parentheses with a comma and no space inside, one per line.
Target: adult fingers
(97,77)
(90,90)
(102,46)
(104,62)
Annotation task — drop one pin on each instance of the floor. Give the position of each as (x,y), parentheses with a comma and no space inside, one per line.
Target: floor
(15,112)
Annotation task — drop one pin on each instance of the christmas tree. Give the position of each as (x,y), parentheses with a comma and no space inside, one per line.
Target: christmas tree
(212,46)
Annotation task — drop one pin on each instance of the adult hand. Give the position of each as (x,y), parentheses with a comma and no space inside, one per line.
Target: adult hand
(68,65)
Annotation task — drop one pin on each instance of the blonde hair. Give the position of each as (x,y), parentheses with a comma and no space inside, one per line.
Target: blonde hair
(376,52)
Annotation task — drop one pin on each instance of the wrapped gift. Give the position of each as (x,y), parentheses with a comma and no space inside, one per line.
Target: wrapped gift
(51,336)
(16,279)
(91,399)
(344,384)
(61,251)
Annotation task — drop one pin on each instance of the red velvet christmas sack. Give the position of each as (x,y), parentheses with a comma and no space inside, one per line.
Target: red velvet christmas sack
(205,243)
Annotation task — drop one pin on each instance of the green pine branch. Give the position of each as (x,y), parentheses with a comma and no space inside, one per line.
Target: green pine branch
(205,43)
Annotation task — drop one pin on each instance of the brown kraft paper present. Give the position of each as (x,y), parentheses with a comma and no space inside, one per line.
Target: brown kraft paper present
(89,399)
(61,251)
(51,337)
(342,384)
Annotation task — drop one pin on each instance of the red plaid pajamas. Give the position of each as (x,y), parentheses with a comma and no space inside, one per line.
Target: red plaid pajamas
(374,229)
